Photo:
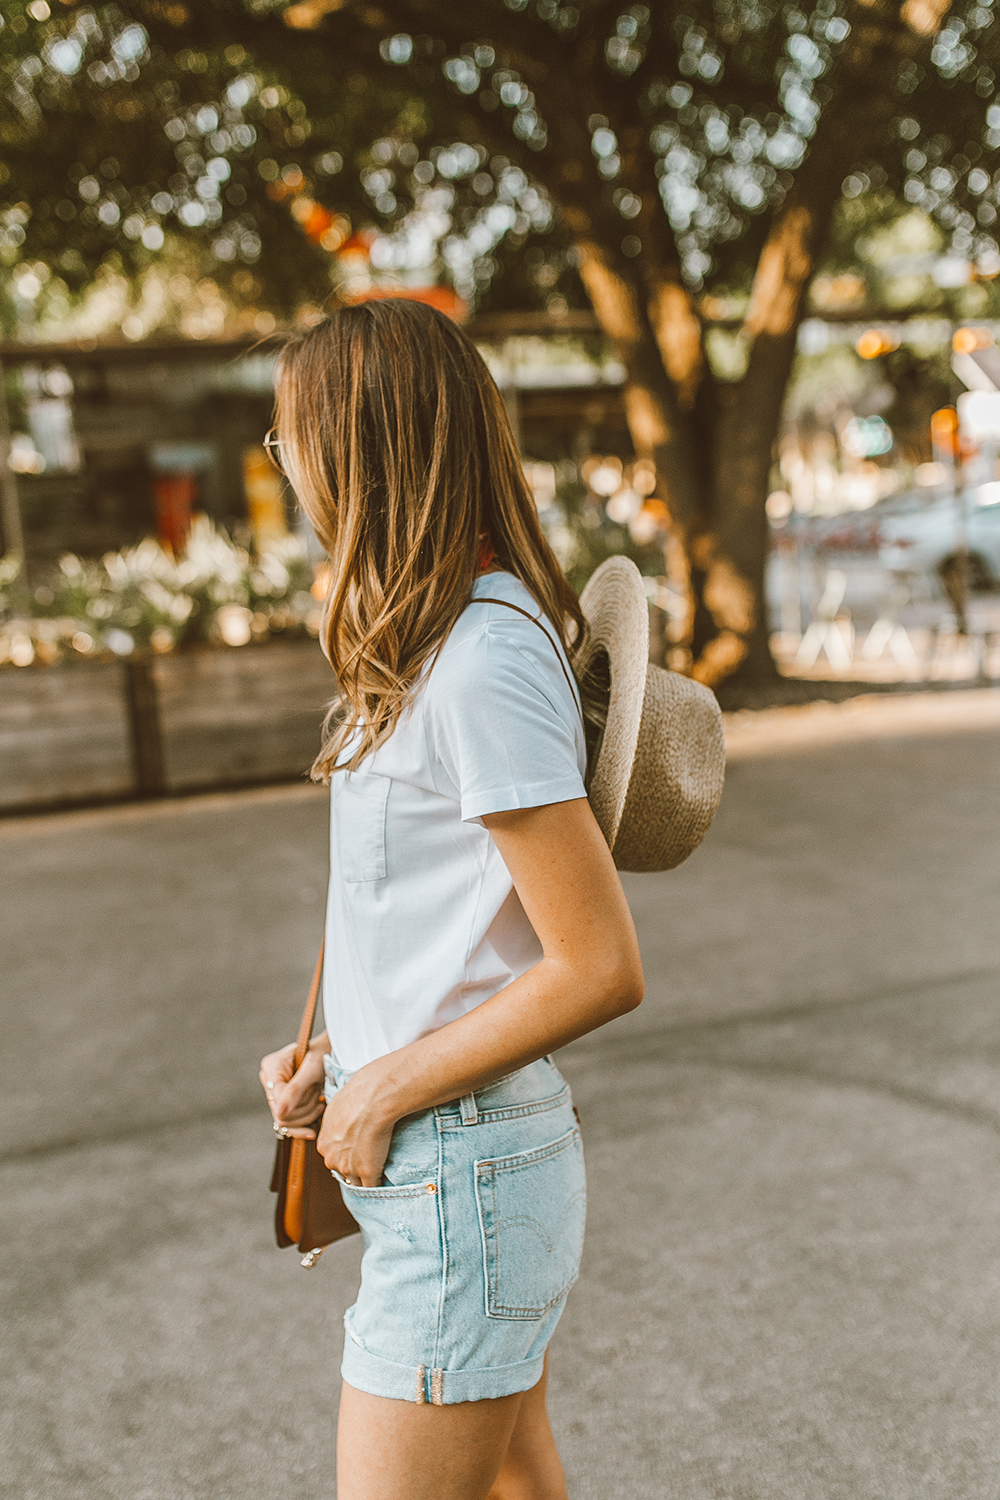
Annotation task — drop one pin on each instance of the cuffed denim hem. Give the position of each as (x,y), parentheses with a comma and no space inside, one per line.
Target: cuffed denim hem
(381,1377)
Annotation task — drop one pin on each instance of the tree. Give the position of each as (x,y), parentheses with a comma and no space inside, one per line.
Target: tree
(669,155)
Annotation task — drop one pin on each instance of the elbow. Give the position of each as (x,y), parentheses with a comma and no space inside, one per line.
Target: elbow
(632,990)
(623,987)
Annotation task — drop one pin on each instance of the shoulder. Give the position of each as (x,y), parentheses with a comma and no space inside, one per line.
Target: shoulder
(501,713)
(501,632)
(501,693)
(500,602)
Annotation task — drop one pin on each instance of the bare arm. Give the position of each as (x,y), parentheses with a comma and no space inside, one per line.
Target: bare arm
(589,973)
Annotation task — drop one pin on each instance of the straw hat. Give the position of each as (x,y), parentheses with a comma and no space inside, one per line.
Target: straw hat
(656,750)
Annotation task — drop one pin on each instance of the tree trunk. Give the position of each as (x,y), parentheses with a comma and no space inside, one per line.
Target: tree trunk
(662,431)
(712,443)
(728,561)
(712,464)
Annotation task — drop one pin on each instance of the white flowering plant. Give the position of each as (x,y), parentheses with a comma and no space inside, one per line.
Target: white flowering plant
(143,599)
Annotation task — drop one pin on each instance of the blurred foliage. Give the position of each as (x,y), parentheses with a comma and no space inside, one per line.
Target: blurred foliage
(142,599)
(582,533)
(255,137)
(124,147)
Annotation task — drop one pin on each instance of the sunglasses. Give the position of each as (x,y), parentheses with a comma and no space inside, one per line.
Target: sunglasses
(272,447)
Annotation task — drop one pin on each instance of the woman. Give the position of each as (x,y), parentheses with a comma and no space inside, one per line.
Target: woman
(475,919)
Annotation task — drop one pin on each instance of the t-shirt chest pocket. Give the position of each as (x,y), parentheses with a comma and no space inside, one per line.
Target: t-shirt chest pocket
(360,808)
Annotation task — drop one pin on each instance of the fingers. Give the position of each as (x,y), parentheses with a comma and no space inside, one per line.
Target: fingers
(298,1103)
(342,1159)
(300,1118)
(275,1071)
(354,1177)
(295,1098)
(278,1067)
(298,1093)
(293,1108)
(303,1123)
(348,1146)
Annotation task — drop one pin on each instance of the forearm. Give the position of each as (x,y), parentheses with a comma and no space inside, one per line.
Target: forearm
(544,1009)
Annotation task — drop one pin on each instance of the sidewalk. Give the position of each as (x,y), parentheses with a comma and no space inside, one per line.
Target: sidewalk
(790,1287)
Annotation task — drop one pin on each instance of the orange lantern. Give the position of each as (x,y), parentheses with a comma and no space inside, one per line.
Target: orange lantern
(944,431)
(966,340)
(876,341)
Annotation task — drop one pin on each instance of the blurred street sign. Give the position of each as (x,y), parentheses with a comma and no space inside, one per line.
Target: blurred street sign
(979,415)
(978,369)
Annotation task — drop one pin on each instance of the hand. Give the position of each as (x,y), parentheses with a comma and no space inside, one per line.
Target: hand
(356,1132)
(295,1099)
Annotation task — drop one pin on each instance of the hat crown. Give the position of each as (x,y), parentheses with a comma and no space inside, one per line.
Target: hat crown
(657,754)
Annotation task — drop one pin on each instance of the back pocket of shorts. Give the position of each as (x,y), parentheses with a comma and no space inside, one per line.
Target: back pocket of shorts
(532,1211)
(360,809)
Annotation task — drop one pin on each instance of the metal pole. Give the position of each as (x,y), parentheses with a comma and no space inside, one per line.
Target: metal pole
(962,553)
(11,531)
(957,470)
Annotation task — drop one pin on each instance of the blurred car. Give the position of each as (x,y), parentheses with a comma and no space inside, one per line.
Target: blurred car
(929,540)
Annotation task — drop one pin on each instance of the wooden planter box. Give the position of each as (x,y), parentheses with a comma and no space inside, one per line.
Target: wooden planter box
(102,731)
(64,735)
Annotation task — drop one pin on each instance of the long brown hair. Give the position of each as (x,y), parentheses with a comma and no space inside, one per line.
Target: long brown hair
(401,452)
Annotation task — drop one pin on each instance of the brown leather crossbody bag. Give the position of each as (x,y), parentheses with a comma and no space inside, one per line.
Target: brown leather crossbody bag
(310,1210)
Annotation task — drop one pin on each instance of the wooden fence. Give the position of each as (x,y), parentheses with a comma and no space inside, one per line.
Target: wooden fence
(108,731)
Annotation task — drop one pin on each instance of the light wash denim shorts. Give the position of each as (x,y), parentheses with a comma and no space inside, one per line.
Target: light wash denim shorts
(472,1242)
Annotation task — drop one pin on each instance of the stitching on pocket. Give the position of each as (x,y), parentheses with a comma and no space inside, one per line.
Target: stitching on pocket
(489,1173)
(361,806)
(405,1190)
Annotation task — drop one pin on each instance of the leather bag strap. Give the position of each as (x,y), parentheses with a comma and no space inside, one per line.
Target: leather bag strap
(573,687)
(309,1014)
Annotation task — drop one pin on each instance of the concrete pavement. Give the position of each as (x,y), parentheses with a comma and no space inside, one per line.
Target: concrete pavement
(790,1286)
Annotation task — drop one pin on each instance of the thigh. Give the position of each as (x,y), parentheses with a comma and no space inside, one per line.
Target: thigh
(399,1450)
(531,1469)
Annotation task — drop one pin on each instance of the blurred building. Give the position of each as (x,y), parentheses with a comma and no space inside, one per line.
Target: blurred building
(114,442)
(111,442)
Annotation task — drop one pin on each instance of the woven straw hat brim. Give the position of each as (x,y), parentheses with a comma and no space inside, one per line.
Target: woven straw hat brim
(676,777)
(657,778)
(617,645)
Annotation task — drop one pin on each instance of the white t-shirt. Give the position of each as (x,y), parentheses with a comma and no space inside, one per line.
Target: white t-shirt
(423,922)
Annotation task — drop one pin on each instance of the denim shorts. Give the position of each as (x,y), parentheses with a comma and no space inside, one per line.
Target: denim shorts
(472,1241)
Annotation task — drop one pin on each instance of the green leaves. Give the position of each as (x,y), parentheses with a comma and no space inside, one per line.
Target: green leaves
(130,130)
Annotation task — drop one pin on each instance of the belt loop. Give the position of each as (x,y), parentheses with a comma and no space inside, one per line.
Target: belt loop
(470,1113)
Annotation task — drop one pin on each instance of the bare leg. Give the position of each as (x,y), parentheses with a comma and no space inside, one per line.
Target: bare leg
(397,1450)
(473,1450)
(531,1469)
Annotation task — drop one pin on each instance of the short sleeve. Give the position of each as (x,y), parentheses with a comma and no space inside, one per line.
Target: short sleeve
(507,727)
